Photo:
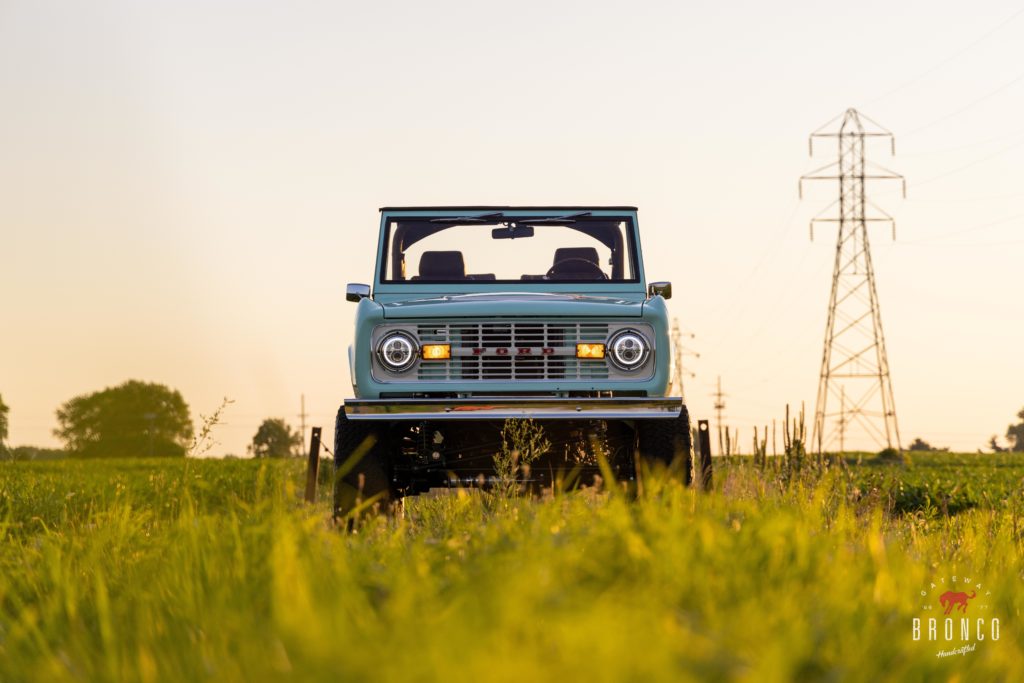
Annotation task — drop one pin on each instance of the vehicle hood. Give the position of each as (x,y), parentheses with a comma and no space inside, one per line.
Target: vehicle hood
(515,304)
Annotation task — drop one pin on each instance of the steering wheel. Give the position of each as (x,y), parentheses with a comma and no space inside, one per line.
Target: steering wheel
(592,269)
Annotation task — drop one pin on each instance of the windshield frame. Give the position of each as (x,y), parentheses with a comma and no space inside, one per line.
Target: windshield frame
(633,254)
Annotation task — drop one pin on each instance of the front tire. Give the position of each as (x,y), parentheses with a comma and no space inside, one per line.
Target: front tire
(360,465)
(666,444)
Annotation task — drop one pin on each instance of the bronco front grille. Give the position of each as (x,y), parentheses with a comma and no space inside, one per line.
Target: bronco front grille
(523,350)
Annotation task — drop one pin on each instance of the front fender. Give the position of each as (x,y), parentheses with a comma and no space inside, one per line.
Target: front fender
(655,312)
(352,371)
(369,314)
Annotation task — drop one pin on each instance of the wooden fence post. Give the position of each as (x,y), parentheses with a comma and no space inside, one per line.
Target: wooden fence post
(314,466)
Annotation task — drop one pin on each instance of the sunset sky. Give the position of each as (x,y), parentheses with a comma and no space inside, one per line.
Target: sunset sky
(186,187)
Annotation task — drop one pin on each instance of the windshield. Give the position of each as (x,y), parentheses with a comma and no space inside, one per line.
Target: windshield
(496,248)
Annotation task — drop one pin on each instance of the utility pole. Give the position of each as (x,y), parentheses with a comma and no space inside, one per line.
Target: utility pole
(678,351)
(719,407)
(854,356)
(302,423)
(842,421)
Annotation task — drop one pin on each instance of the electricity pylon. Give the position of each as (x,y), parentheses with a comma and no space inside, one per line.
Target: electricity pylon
(678,351)
(854,365)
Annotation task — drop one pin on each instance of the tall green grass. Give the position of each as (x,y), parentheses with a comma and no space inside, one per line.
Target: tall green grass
(214,571)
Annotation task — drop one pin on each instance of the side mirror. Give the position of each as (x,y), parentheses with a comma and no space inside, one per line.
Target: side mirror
(664,289)
(355,291)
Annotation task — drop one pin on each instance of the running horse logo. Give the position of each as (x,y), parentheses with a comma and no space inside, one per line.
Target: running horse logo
(949,600)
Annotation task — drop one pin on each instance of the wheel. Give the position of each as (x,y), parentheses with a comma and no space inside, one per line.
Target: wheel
(360,466)
(666,444)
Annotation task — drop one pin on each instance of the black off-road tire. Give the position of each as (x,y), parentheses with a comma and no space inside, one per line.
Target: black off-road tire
(667,444)
(358,480)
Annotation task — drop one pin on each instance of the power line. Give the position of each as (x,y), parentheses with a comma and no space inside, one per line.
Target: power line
(932,152)
(960,245)
(927,72)
(968,165)
(736,304)
(964,167)
(964,231)
(992,93)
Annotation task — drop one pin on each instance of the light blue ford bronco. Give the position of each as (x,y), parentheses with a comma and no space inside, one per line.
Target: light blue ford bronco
(480,314)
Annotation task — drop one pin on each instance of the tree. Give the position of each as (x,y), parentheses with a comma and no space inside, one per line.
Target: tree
(132,419)
(1015,434)
(275,439)
(920,445)
(3,426)
(994,445)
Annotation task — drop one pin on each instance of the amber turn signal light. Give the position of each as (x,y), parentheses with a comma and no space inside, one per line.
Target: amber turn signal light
(590,350)
(437,351)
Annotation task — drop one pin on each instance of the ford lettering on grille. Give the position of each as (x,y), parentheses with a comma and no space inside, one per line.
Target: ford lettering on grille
(489,351)
(515,351)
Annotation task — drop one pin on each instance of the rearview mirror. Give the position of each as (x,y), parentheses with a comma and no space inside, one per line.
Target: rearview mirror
(664,289)
(355,291)
(512,233)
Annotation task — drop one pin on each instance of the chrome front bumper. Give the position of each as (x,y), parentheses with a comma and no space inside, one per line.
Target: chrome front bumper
(501,408)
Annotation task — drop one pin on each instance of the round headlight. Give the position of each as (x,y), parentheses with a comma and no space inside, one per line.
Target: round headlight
(629,350)
(397,351)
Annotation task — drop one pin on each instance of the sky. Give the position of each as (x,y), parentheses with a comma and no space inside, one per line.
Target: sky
(186,187)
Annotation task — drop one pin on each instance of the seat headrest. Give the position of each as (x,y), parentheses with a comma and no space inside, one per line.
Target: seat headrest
(442,265)
(585,253)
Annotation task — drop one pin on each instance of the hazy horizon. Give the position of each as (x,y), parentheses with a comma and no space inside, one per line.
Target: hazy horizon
(186,187)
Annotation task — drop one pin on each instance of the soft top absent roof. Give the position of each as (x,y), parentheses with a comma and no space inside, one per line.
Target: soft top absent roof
(508,208)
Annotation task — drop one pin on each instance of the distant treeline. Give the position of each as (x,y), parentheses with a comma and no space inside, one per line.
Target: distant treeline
(33,453)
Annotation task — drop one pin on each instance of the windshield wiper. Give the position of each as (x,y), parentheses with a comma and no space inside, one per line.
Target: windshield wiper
(485,218)
(568,218)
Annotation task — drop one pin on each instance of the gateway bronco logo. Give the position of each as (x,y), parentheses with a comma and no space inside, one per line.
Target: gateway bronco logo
(956,633)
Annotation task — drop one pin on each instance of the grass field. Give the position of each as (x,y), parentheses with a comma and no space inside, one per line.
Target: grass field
(214,571)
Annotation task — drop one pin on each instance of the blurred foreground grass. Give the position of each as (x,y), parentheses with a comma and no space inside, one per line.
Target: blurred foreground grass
(214,571)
